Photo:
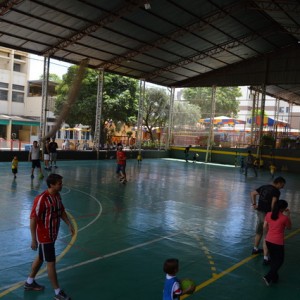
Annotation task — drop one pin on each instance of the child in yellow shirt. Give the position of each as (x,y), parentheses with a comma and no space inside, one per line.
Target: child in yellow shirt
(14,166)
(272,170)
(139,158)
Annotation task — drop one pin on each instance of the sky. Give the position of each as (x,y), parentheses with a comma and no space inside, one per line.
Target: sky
(60,68)
(56,67)
(37,63)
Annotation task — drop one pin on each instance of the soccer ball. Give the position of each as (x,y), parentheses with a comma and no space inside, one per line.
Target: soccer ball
(188,283)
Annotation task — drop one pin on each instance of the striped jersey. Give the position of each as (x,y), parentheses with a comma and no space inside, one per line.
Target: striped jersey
(47,210)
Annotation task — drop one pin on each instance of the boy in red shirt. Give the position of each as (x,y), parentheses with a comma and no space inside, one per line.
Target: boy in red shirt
(121,164)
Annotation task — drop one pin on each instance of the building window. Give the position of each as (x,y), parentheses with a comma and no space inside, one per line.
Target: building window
(18,56)
(3,85)
(18,87)
(287,109)
(17,67)
(281,109)
(18,97)
(3,95)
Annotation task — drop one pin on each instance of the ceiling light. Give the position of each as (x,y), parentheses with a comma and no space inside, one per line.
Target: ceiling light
(147,5)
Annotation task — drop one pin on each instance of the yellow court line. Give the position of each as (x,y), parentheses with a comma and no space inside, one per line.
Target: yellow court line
(74,237)
(232,268)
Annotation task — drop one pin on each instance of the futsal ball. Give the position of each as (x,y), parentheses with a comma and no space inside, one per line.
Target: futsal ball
(197,155)
(188,283)
(41,176)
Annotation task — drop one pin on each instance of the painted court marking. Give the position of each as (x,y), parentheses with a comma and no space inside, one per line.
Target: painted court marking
(230,269)
(64,252)
(198,287)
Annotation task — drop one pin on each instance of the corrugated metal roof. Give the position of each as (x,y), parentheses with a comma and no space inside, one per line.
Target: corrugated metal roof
(175,43)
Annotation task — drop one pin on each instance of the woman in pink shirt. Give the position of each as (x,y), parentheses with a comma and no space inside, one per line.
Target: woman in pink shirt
(275,224)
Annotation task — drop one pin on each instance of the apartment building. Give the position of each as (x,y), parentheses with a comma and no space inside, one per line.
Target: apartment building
(276,109)
(15,121)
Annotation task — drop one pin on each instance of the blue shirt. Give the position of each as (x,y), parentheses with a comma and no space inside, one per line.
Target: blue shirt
(171,288)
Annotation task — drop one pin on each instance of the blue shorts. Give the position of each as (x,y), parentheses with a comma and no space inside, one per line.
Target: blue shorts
(120,168)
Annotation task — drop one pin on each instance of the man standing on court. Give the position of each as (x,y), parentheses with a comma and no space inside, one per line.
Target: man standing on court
(268,195)
(47,154)
(250,164)
(186,153)
(53,152)
(34,156)
(47,210)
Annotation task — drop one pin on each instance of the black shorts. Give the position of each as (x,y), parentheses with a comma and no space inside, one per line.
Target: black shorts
(35,163)
(47,252)
(15,171)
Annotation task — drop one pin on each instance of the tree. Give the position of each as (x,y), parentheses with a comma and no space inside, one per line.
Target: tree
(119,99)
(226,100)
(186,114)
(156,109)
(52,77)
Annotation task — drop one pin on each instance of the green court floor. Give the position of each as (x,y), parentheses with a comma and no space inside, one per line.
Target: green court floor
(198,213)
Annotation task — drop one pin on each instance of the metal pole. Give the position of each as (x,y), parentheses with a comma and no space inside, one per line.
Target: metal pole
(99,103)
(262,114)
(140,120)
(290,116)
(45,82)
(253,115)
(171,115)
(211,128)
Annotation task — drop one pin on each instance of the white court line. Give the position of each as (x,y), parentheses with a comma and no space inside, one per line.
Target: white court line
(98,258)
(112,254)
(64,236)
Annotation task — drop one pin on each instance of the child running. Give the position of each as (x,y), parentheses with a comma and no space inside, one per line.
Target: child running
(14,166)
(139,158)
(121,164)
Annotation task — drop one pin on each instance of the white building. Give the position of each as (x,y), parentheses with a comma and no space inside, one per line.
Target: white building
(15,122)
(284,111)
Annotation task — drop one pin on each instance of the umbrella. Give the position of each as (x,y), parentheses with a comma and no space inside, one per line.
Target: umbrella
(267,121)
(222,120)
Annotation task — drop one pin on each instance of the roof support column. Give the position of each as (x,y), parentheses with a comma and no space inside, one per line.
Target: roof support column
(171,117)
(210,139)
(45,82)
(99,104)
(275,125)
(262,114)
(290,116)
(140,120)
(254,95)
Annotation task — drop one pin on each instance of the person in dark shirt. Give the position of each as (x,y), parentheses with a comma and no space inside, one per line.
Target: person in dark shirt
(268,195)
(186,153)
(249,164)
(53,152)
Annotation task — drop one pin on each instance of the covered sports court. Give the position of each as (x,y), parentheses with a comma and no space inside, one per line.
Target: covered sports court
(199,213)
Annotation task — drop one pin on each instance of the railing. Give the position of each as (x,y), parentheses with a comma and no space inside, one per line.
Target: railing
(14,145)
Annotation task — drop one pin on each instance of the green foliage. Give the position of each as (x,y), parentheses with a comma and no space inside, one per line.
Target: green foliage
(156,109)
(52,77)
(267,140)
(119,98)
(287,142)
(226,100)
(129,134)
(186,114)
